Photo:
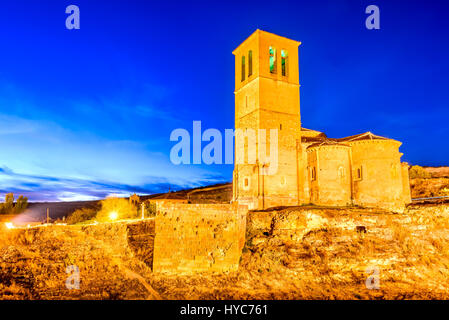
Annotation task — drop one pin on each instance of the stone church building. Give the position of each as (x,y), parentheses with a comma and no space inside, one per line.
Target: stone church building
(363,169)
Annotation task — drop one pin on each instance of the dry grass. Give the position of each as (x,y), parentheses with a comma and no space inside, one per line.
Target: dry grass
(433,187)
(325,260)
(410,250)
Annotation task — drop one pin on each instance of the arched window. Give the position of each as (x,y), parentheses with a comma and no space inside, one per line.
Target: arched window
(359,173)
(246,183)
(394,171)
(250,63)
(243,68)
(341,172)
(284,63)
(272,60)
(283,181)
(313,174)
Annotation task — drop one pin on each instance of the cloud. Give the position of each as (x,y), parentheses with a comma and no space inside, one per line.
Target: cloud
(52,148)
(153,112)
(50,162)
(44,188)
(10,125)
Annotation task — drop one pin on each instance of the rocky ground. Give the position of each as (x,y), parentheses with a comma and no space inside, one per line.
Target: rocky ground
(429,181)
(294,253)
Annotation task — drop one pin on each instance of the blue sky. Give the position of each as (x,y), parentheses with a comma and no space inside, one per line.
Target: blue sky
(87,113)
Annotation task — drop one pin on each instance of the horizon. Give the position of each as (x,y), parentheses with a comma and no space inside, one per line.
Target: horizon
(86,114)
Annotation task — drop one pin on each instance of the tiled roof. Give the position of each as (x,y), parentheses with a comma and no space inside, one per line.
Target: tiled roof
(328,142)
(363,136)
(308,133)
(319,138)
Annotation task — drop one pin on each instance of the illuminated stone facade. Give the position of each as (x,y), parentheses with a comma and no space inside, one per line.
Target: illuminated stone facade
(198,237)
(363,170)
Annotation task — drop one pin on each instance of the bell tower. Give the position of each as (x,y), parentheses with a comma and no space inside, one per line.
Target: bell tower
(267,104)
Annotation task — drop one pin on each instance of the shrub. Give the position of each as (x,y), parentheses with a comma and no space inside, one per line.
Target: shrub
(419,172)
(120,206)
(8,207)
(150,209)
(9,202)
(21,204)
(81,215)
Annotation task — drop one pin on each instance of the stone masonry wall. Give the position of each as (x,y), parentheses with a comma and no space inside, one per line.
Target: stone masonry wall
(198,237)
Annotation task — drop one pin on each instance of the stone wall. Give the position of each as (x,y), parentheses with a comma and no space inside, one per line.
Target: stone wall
(332,182)
(292,224)
(406,191)
(198,237)
(141,240)
(381,183)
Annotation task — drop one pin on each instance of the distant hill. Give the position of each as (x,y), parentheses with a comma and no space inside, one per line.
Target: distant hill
(218,193)
(37,211)
(438,172)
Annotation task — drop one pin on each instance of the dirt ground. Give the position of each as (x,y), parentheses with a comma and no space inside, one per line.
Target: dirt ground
(325,258)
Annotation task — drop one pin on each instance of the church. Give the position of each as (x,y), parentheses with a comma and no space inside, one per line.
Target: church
(361,170)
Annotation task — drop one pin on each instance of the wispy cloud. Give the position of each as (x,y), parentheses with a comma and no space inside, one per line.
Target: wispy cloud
(90,146)
(47,188)
(45,161)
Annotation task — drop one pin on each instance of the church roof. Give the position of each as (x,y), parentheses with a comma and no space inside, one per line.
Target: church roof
(312,139)
(317,138)
(309,133)
(327,142)
(363,136)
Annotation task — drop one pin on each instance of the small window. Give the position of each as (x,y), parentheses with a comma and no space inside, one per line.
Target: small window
(284,63)
(250,63)
(341,172)
(359,174)
(273,60)
(280,126)
(246,183)
(243,68)
(394,171)
(313,174)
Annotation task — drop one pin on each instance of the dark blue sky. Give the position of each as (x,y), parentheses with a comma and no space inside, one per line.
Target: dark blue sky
(86,113)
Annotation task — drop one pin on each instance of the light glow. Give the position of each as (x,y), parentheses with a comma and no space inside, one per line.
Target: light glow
(113,215)
(9,225)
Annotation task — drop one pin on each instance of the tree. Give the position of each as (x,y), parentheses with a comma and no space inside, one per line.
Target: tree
(419,172)
(9,203)
(81,215)
(21,204)
(150,209)
(8,207)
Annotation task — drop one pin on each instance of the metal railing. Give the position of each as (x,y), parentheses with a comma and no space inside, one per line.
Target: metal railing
(430,198)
